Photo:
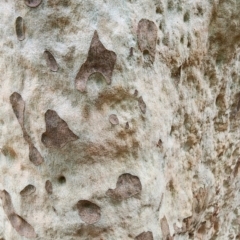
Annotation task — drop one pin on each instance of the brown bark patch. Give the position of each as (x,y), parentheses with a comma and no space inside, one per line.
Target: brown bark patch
(48,187)
(89,212)
(99,60)
(57,132)
(145,236)
(142,105)
(28,190)
(18,106)
(113,119)
(127,186)
(165,229)
(20,31)
(51,62)
(147,38)
(33,3)
(18,223)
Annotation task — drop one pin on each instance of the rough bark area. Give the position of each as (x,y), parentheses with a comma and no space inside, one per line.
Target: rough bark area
(120,119)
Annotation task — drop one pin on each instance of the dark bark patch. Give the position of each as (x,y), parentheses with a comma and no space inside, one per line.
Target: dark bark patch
(89,212)
(18,106)
(48,187)
(8,152)
(113,119)
(51,62)
(28,190)
(57,132)
(165,228)
(145,236)
(127,186)
(33,3)
(18,223)
(142,105)
(147,38)
(34,155)
(20,31)
(62,180)
(99,60)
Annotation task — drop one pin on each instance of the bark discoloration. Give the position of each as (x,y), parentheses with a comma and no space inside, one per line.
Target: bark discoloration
(18,106)
(99,60)
(57,132)
(89,212)
(51,62)
(33,3)
(147,38)
(145,236)
(28,190)
(127,186)
(19,224)
(20,30)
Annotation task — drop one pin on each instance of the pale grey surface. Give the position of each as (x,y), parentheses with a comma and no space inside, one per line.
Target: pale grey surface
(190,92)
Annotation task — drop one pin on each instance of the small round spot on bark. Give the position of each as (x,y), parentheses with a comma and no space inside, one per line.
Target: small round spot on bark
(28,190)
(48,187)
(89,212)
(8,152)
(146,56)
(33,3)
(19,24)
(62,180)
(159,10)
(113,119)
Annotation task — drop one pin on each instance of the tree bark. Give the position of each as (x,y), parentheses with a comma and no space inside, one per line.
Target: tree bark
(119,119)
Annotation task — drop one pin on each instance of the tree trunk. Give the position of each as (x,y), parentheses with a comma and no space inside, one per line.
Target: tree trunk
(120,119)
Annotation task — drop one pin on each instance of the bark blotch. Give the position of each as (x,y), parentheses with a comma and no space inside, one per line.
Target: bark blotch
(33,3)
(127,186)
(147,38)
(113,119)
(20,31)
(89,212)
(18,106)
(99,60)
(28,190)
(145,236)
(142,105)
(18,223)
(57,132)
(51,61)
(48,187)
(165,228)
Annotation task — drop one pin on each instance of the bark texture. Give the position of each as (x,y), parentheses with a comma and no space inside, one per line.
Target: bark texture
(120,119)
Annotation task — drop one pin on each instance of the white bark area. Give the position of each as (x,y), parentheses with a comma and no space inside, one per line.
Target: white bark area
(119,119)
